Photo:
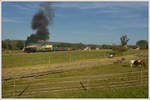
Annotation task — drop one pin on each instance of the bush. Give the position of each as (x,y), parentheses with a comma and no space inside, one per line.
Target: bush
(104,46)
(119,49)
(143,44)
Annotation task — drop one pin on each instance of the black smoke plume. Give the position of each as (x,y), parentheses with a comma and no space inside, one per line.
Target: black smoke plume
(40,22)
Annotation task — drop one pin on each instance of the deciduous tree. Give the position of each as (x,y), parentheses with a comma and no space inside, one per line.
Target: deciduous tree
(143,44)
(124,40)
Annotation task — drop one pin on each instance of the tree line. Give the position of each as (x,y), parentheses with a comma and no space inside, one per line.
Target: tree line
(13,44)
(19,44)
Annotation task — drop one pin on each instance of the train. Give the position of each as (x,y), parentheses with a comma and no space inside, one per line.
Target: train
(39,49)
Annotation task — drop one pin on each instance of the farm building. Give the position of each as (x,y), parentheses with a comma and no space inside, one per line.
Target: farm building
(97,48)
(138,48)
(87,48)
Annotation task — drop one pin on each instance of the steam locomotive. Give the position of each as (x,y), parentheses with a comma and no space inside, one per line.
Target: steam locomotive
(37,49)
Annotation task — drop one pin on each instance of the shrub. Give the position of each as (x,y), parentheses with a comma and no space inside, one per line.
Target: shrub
(118,50)
(143,44)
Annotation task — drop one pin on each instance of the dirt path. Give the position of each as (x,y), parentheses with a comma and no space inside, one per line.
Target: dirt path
(7,72)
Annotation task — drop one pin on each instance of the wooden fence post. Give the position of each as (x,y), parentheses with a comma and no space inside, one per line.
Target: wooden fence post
(88,83)
(70,57)
(49,59)
(14,92)
(141,76)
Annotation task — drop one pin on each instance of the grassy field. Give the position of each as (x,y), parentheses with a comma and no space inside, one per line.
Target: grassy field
(18,60)
(11,51)
(21,59)
(67,84)
(93,68)
(131,92)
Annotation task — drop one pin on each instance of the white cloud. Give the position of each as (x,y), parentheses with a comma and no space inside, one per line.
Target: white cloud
(91,5)
(80,5)
(10,20)
(22,6)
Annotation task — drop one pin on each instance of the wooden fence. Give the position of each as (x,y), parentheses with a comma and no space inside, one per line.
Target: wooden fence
(28,87)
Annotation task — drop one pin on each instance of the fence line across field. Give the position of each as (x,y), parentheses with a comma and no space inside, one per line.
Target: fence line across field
(41,84)
(78,80)
(9,54)
(91,86)
(62,91)
(120,83)
(71,88)
(109,83)
(58,91)
(116,86)
(92,76)
(80,77)
(140,80)
(79,88)
(24,53)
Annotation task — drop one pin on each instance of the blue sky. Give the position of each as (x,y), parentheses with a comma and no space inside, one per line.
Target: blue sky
(86,22)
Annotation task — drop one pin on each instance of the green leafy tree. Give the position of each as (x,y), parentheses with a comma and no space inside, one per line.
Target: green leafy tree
(3,44)
(19,44)
(81,46)
(104,46)
(124,40)
(93,47)
(70,45)
(143,44)
(7,44)
(13,45)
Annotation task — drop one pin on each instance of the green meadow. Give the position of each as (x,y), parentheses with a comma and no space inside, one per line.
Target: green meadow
(86,74)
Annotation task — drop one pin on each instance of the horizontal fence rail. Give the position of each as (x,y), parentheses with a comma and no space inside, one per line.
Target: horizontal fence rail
(22,87)
(47,72)
(76,81)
